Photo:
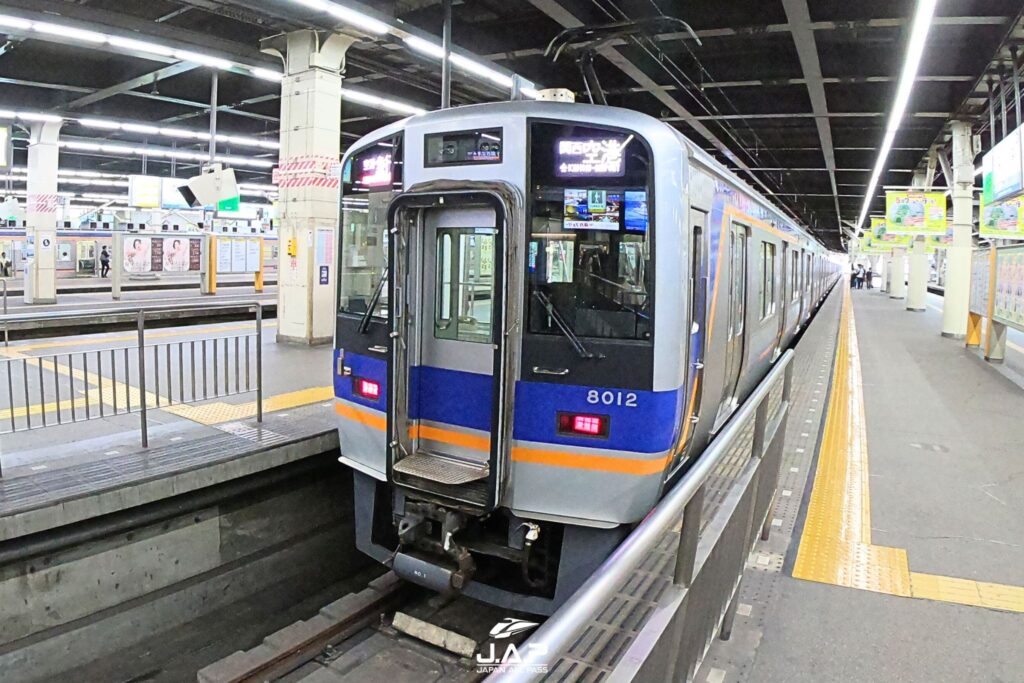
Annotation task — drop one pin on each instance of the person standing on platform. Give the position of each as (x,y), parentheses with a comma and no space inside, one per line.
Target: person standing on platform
(853,277)
(5,265)
(870,277)
(104,262)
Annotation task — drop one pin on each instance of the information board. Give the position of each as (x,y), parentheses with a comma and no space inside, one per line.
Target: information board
(238,254)
(1001,169)
(1009,292)
(915,213)
(979,282)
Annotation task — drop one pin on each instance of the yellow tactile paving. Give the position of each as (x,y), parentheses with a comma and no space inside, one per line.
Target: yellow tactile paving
(219,412)
(836,547)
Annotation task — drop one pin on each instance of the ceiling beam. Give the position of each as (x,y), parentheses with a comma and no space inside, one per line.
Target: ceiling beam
(807,50)
(137,82)
(772,29)
(771,82)
(820,116)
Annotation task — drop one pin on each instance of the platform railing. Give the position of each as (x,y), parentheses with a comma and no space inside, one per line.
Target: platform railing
(58,388)
(703,596)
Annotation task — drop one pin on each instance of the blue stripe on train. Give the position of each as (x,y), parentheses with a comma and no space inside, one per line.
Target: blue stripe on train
(463,399)
(366,367)
(649,426)
(451,396)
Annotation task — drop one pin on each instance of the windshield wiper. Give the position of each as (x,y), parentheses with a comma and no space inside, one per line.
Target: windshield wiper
(561,324)
(364,323)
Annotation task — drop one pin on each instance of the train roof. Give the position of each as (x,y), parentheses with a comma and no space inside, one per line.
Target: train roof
(645,125)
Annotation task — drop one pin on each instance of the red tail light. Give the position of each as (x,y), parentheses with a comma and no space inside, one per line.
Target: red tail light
(577,424)
(366,388)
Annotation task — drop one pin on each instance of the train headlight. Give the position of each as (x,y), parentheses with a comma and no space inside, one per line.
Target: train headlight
(581,424)
(366,388)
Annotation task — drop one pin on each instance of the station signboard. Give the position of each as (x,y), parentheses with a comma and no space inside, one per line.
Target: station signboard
(915,213)
(1002,173)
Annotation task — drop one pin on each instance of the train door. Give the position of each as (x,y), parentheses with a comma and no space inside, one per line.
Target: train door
(448,354)
(737,321)
(782,297)
(698,329)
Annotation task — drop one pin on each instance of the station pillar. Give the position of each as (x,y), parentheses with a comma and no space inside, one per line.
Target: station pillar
(917,261)
(898,274)
(956,297)
(308,182)
(41,205)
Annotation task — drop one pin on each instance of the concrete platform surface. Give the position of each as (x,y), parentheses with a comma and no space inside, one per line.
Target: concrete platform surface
(908,560)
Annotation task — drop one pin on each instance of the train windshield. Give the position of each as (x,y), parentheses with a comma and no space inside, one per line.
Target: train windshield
(370,178)
(589,257)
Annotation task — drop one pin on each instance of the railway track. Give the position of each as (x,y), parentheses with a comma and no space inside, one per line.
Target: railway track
(391,631)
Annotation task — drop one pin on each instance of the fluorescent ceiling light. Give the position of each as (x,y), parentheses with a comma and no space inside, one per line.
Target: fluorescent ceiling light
(128,150)
(912,62)
(38,116)
(7,114)
(100,123)
(266,74)
(479,69)
(205,60)
(15,22)
(425,46)
(69,32)
(140,128)
(140,46)
(358,19)
(380,102)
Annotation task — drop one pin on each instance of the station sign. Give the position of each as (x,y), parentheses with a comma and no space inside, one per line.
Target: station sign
(1002,173)
(591,157)
(915,213)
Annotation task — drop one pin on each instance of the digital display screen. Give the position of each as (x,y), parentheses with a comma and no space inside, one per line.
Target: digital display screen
(636,210)
(375,169)
(589,209)
(591,157)
(463,148)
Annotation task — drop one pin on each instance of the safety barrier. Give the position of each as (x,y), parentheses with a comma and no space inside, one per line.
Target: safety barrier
(708,567)
(98,383)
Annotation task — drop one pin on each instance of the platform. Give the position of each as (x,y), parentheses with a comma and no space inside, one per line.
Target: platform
(906,557)
(64,473)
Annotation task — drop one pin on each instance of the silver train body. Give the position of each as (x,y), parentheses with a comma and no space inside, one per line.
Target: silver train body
(545,312)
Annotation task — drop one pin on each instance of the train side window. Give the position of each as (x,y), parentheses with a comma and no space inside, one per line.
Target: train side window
(767,279)
(739,278)
(794,277)
(464,287)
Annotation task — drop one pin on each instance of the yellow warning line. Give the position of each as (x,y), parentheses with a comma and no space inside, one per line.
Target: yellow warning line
(218,412)
(836,546)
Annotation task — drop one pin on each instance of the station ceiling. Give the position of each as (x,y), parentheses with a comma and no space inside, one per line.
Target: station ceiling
(793,94)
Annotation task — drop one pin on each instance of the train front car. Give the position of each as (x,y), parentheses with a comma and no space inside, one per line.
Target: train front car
(502,400)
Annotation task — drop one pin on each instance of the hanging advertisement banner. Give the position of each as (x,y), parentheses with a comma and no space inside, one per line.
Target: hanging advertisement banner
(1002,220)
(884,238)
(915,213)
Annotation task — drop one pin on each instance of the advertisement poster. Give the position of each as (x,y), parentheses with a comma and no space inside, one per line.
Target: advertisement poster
(1002,220)
(979,282)
(138,254)
(885,239)
(195,254)
(175,254)
(157,255)
(915,213)
(1009,295)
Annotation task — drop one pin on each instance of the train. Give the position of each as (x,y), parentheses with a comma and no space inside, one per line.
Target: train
(545,311)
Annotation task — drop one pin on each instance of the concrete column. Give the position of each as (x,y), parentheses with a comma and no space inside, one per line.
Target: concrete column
(308,207)
(958,255)
(917,260)
(41,209)
(885,268)
(917,290)
(898,270)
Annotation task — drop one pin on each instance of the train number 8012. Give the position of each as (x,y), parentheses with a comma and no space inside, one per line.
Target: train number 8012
(612,398)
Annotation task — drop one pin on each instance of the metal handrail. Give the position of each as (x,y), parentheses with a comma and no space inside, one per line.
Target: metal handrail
(128,311)
(555,636)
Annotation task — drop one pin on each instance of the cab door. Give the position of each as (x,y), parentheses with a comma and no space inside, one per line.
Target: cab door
(448,350)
